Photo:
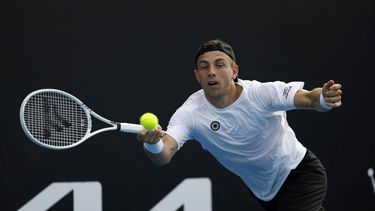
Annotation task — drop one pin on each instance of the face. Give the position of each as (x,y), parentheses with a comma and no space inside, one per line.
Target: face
(215,73)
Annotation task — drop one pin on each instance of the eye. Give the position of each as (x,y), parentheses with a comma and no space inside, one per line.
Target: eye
(202,66)
(220,64)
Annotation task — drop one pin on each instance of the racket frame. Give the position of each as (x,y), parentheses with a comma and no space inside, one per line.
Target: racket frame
(123,127)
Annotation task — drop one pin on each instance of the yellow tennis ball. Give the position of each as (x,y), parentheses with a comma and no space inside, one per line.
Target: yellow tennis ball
(149,121)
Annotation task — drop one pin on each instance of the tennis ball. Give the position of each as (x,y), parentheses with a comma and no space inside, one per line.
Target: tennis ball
(149,121)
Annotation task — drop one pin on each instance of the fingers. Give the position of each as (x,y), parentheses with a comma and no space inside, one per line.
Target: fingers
(331,88)
(333,102)
(334,90)
(327,85)
(150,136)
(332,94)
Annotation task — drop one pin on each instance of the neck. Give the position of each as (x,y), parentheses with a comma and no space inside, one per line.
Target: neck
(228,98)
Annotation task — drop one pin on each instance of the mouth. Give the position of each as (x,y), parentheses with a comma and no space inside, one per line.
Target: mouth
(212,83)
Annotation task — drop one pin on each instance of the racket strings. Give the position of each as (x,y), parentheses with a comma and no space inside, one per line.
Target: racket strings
(55,119)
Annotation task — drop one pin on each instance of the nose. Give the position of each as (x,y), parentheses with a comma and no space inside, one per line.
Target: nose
(211,72)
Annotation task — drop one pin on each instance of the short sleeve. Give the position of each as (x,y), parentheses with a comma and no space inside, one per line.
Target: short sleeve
(277,95)
(179,127)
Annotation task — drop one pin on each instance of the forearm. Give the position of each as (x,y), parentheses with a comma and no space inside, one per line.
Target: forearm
(320,99)
(316,103)
(308,99)
(159,159)
(168,149)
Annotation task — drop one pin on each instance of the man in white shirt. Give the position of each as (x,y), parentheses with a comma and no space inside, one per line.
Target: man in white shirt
(243,124)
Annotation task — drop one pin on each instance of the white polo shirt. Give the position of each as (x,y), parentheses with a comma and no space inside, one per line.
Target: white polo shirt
(251,137)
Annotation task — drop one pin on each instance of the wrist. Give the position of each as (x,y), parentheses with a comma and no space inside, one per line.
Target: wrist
(154,148)
(323,104)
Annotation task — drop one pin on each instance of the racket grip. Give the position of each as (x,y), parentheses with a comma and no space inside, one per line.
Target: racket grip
(130,128)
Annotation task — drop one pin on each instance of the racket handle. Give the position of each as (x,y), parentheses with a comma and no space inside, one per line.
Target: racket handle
(133,128)
(130,128)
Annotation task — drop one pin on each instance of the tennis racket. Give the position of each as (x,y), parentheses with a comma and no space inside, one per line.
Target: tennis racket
(57,120)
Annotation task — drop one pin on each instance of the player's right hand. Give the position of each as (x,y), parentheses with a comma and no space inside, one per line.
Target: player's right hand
(150,136)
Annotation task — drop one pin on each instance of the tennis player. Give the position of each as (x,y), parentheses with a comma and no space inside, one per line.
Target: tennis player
(243,124)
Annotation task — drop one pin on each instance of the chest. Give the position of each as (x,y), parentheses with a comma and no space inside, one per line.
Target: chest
(238,124)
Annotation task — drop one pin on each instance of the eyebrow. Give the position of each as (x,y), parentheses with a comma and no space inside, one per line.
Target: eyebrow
(216,60)
(219,60)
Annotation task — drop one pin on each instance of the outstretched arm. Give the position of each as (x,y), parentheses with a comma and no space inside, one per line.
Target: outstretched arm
(160,149)
(320,99)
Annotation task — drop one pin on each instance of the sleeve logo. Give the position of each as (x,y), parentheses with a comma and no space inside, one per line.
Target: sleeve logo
(286,91)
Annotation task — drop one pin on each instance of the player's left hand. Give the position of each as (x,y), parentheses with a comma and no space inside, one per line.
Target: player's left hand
(332,94)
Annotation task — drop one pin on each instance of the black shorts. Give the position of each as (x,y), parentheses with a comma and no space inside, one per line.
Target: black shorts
(303,190)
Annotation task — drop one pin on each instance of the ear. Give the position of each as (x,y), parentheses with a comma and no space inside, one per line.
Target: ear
(196,75)
(235,70)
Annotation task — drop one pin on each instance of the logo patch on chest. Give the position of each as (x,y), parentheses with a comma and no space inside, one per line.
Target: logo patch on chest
(215,125)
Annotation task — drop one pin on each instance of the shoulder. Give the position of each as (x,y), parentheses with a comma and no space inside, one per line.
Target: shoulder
(191,104)
(258,87)
(194,100)
(252,86)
